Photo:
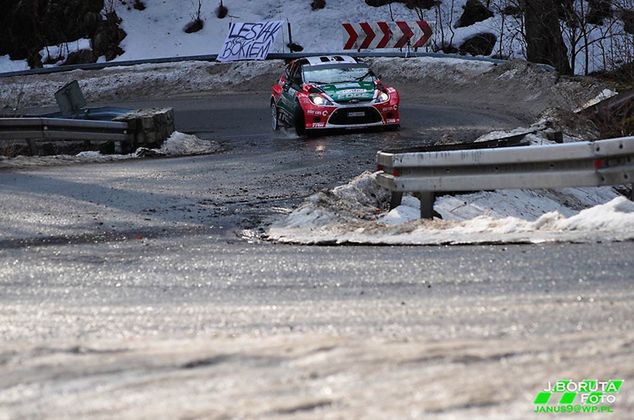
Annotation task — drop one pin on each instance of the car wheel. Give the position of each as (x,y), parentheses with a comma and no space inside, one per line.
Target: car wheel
(275,117)
(300,122)
(394,127)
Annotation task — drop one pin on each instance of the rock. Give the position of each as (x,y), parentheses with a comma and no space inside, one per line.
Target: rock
(377,3)
(139,5)
(194,26)
(27,26)
(107,37)
(474,11)
(449,49)
(318,4)
(599,11)
(421,4)
(479,44)
(81,57)
(512,10)
(34,60)
(294,47)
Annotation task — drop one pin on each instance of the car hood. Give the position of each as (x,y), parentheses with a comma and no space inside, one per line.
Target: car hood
(348,91)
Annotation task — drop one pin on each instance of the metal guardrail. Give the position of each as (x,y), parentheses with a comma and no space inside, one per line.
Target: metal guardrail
(273,56)
(583,164)
(34,130)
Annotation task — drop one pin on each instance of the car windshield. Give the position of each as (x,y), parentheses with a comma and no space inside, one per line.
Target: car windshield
(326,75)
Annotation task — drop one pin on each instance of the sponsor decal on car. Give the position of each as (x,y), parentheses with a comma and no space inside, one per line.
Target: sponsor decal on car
(349,86)
(348,92)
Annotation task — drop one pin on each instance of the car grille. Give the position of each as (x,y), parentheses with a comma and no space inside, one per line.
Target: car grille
(354,101)
(343,116)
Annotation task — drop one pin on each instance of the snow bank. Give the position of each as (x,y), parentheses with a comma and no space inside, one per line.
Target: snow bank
(178,144)
(443,69)
(358,200)
(444,80)
(355,213)
(145,80)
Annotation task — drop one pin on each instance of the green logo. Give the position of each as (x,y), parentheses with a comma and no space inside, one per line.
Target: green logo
(587,396)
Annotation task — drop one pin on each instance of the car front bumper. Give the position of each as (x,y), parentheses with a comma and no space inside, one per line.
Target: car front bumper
(356,115)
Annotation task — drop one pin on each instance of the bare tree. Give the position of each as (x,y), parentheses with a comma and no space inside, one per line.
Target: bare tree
(585,35)
(544,40)
(444,24)
(198,10)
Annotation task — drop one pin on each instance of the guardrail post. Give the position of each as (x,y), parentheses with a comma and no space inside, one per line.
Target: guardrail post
(427,200)
(32,146)
(395,199)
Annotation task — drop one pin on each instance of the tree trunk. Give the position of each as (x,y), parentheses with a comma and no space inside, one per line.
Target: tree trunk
(544,41)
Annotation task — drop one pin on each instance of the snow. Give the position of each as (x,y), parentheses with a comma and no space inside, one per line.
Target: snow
(56,51)
(353,214)
(157,31)
(445,69)
(89,154)
(8,65)
(143,80)
(315,30)
(146,80)
(178,144)
(605,94)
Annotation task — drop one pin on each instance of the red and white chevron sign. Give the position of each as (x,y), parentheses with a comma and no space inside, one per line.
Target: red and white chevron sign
(370,35)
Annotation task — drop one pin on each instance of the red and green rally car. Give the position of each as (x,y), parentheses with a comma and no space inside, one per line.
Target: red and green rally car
(316,93)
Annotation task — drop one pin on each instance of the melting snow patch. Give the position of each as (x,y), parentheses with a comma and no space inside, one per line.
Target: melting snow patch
(187,144)
(605,94)
(355,214)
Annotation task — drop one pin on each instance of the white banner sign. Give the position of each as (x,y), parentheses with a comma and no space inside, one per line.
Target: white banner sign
(249,41)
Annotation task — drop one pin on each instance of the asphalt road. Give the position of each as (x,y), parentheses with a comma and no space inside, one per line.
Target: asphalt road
(136,289)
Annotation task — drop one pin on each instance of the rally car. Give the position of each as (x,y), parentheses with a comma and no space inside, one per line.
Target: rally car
(325,92)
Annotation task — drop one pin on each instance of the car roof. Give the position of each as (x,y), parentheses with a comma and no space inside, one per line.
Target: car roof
(330,59)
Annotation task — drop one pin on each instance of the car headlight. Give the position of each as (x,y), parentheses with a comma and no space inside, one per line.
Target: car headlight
(319,100)
(382,97)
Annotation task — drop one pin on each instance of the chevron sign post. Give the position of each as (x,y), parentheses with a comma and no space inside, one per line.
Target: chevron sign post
(371,35)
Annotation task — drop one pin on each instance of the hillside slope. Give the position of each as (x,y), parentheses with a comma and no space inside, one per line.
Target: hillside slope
(158,29)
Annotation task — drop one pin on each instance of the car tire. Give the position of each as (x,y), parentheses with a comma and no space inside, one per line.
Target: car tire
(275,117)
(394,127)
(299,120)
